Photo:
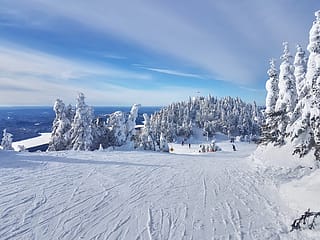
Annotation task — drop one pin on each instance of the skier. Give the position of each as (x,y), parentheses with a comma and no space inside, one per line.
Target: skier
(234,147)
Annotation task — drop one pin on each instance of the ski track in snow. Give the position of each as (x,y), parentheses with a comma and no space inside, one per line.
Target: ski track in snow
(136,195)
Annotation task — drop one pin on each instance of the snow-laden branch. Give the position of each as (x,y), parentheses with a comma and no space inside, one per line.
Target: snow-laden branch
(308,219)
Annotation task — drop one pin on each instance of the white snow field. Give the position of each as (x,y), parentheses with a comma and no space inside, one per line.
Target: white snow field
(44,138)
(139,195)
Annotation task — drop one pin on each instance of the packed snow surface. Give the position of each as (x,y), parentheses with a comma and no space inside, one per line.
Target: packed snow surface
(138,195)
(32,142)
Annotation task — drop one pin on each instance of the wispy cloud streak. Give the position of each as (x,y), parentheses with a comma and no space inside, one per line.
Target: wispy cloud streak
(174,72)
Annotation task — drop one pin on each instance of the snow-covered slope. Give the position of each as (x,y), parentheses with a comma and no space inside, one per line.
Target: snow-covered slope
(135,195)
(139,195)
(298,180)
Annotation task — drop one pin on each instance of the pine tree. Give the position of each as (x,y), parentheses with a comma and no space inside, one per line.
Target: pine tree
(304,131)
(269,128)
(272,88)
(313,80)
(287,94)
(164,147)
(6,141)
(146,139)
(81,131)
(60,138)
(117,125)
(131,122)
(100,134)
(300,67)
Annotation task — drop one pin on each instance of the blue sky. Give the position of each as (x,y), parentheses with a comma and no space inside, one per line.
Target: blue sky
(150,52)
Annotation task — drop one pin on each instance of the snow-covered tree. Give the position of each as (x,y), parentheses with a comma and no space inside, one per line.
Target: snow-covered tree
(304,126)
(287,94)
(300,66)
(270,127)
(131,121)
(60,138)
(146,139)
(117,124)
(313,80)
(81,131)
(287,86)
(6,141)
(272,88)
(101,134)
(164,147)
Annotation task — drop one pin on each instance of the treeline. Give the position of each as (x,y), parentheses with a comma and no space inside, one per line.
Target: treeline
(227,115)
(293,97)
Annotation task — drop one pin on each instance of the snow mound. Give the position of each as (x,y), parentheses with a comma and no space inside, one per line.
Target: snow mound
(303,193)
(270,156)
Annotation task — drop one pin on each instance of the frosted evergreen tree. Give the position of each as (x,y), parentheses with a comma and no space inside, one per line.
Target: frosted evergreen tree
(305,129)
(272,88)
(131,122)
(313,80)
(60,137)
(287,94)
(270,128)
(81,131)
(287,87)
(146,140)
(164,147)
(300,66)
(117,124)
(6,141)
(100,134)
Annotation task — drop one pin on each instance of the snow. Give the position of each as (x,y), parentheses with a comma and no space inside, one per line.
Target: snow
(297,180)
(303,193)
(44,138)
(112,194)
(137,195)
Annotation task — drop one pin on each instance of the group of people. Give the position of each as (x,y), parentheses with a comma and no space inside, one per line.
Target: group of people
(208,148)
(212,147)
(189,144)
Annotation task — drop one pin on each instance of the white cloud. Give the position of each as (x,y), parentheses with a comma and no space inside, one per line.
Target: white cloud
(16,60)
(231,40)
(44,93)
(29,77)
(225,38)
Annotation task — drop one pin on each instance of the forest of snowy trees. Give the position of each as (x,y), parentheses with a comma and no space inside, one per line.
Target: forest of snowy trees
(228,115)
(293,97)
(78,129)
